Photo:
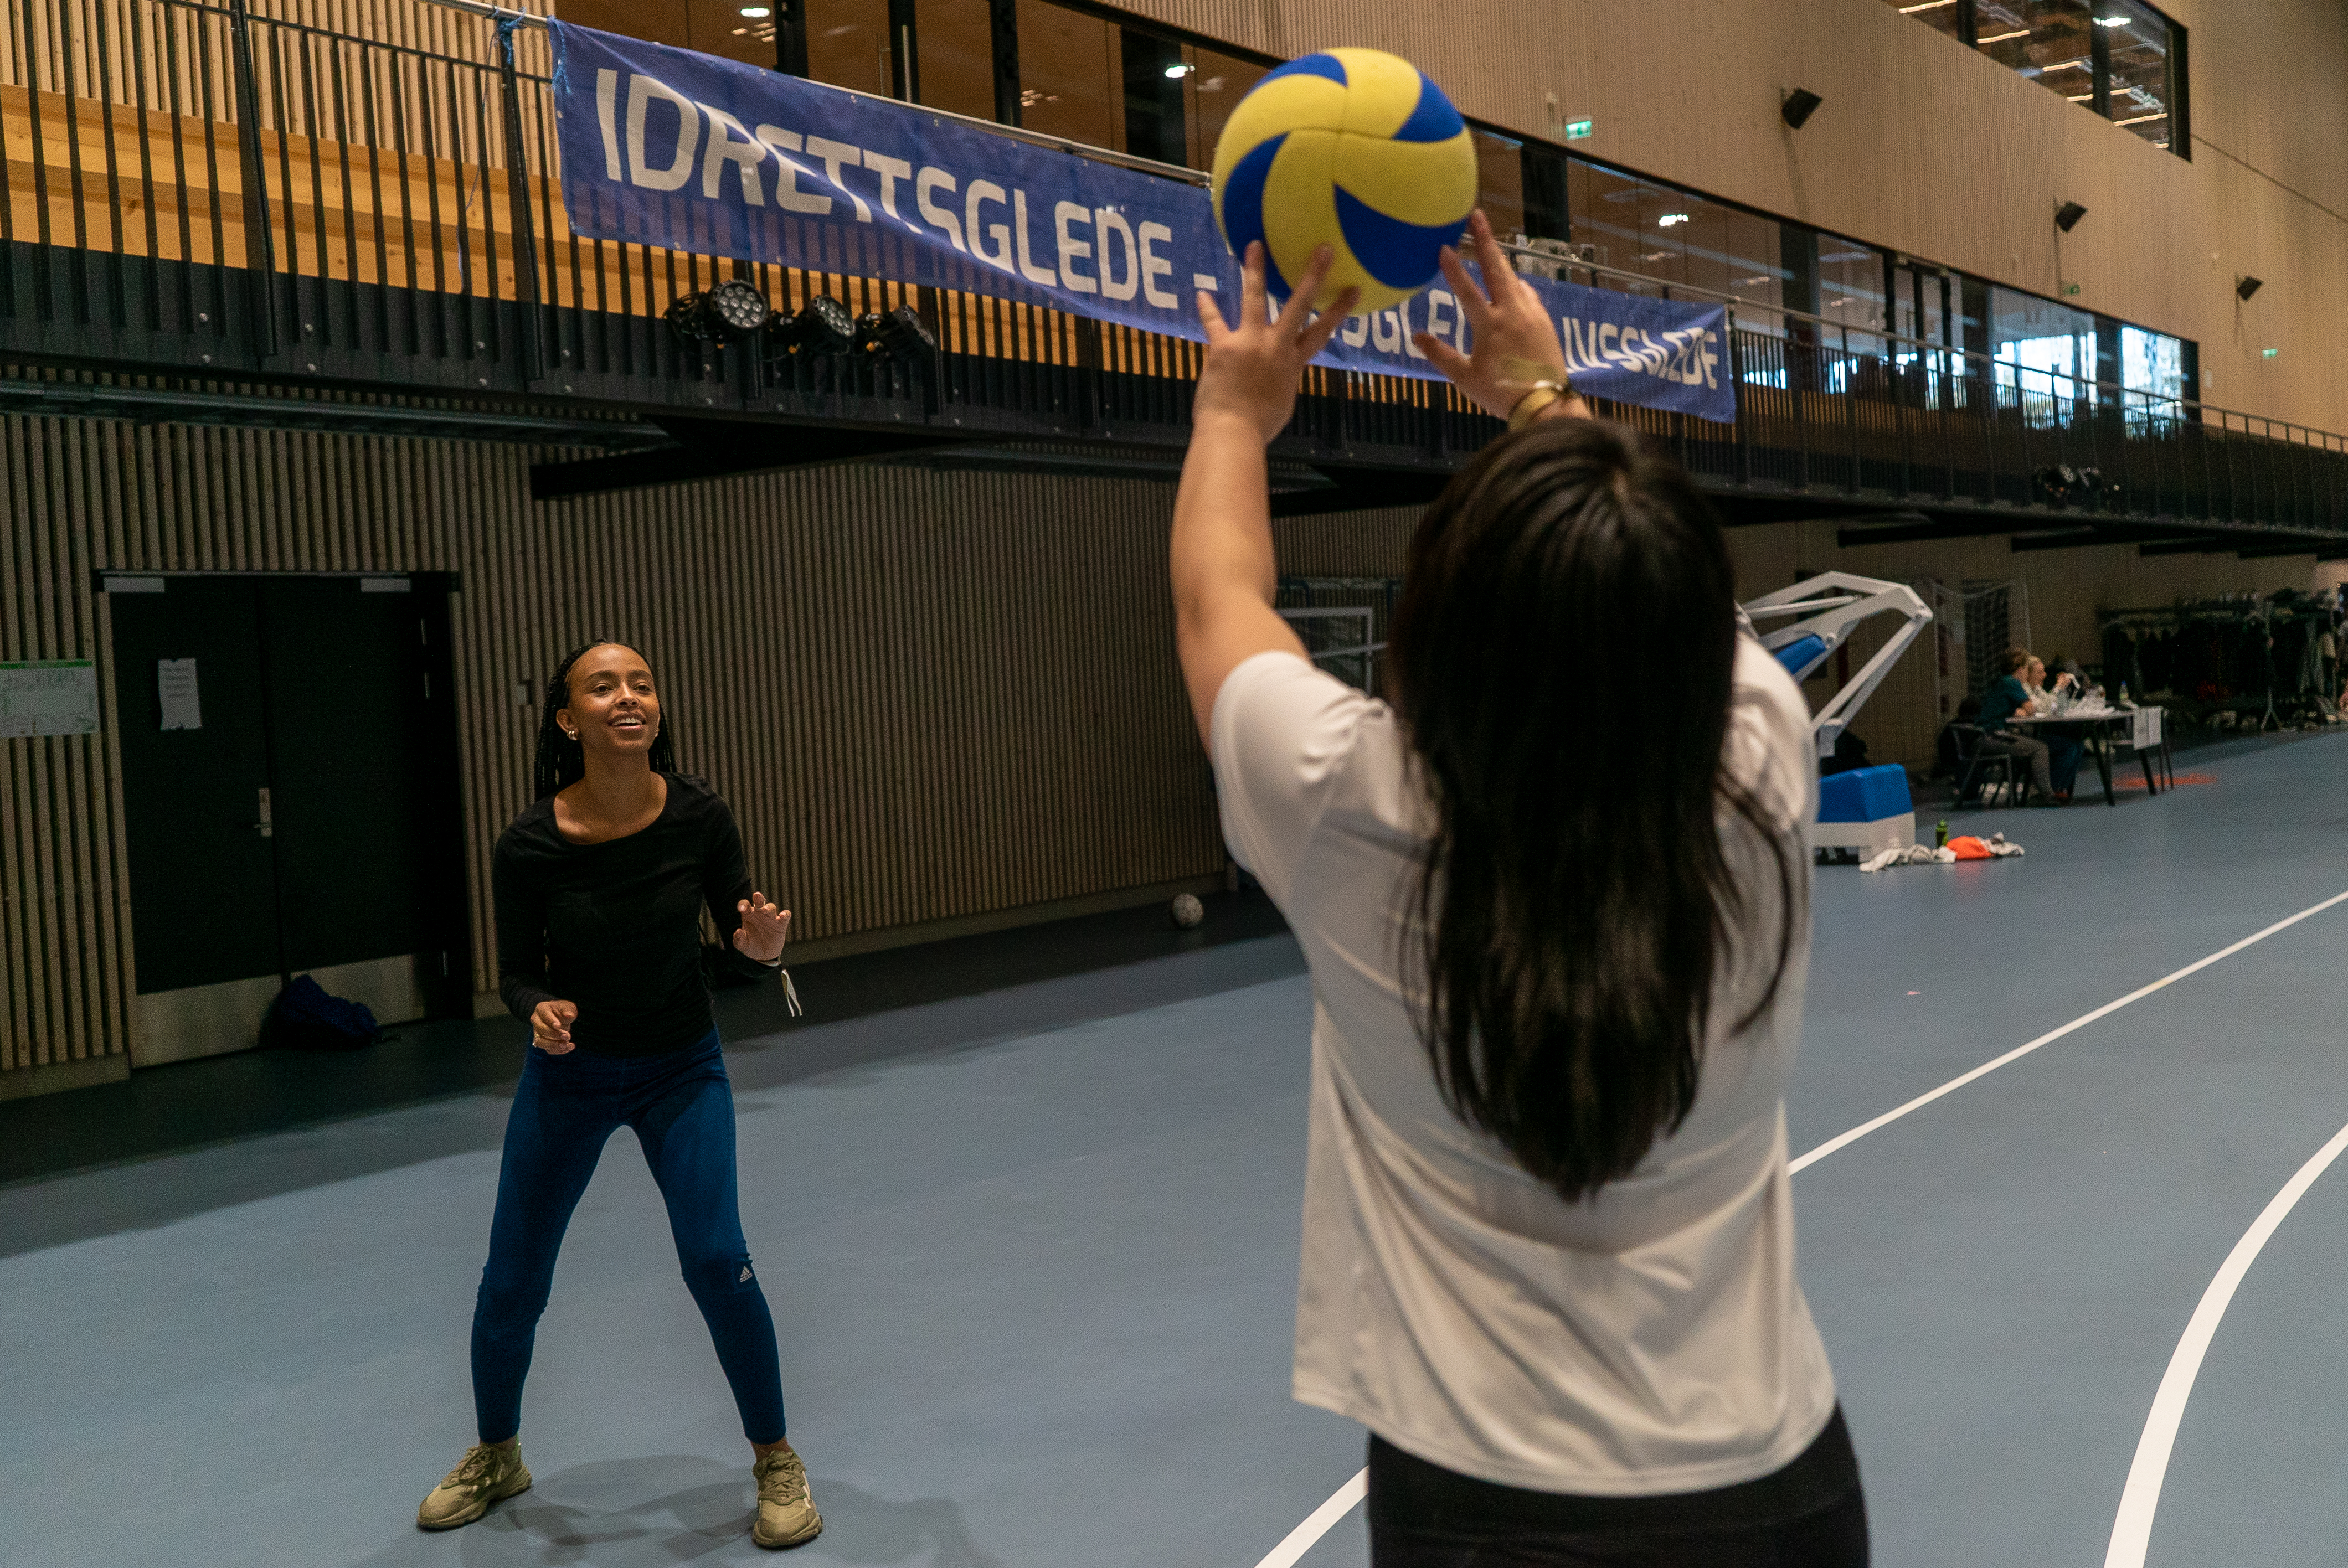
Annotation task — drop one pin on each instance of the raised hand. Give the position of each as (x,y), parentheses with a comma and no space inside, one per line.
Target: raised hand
(1512,345)
(550,1026)
(763,930)
(1252,368)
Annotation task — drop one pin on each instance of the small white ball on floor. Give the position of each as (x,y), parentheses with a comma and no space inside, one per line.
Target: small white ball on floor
(1187,910)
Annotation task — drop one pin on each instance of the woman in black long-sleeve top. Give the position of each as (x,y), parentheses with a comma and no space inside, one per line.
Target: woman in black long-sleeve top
(599,886)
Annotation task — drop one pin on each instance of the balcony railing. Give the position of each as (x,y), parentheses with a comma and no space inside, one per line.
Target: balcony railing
(215,189)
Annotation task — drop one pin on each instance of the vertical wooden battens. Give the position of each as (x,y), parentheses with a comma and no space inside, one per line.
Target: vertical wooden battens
(929,696)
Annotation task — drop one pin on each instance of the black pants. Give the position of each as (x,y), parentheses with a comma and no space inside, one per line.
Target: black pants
(1809,1514)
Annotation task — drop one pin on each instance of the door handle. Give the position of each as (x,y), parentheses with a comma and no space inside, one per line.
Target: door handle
(263,827)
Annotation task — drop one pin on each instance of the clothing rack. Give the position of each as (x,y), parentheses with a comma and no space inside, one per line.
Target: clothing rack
(2280,649)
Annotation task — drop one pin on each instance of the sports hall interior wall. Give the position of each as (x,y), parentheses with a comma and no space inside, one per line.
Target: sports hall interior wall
(882,668)
(2067,590)
(1935,150)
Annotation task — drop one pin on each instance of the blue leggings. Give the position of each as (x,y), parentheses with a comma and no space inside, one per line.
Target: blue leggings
(682,1109)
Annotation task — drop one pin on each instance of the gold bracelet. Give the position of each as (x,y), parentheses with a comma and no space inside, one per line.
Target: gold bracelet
(1538,396)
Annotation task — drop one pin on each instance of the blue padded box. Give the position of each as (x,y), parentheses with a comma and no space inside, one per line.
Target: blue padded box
(1865,795)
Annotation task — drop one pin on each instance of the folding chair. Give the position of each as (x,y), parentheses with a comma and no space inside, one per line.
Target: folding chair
(1980,770)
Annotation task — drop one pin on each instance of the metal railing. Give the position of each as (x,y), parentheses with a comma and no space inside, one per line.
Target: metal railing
(196,187)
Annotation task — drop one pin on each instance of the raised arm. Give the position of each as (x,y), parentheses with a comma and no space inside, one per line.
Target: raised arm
(1514,359)
(1223,572)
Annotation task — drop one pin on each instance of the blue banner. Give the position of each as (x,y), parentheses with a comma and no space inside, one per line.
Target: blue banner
(689,152)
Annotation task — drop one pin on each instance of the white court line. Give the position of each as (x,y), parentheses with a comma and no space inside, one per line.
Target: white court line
(2132,1529)
(1301,1540)
(2082,1021)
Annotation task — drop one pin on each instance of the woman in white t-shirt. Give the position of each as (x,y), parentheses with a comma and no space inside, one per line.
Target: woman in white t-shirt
(1555,902)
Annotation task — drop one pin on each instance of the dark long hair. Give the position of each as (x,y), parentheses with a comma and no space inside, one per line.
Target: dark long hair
(1561,660)
(562,761)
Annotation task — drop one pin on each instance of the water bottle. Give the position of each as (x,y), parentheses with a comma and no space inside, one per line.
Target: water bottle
(2123,696)
(1941,834)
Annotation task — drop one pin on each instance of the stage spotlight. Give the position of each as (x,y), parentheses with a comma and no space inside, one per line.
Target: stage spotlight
(898,336)
(726,314)
(1800,104)
(2248,286)
(822,326)
(2067,216)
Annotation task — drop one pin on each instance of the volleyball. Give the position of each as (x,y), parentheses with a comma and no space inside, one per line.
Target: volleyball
(1355,150)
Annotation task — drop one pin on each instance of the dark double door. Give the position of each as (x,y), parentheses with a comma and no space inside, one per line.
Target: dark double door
(301,812)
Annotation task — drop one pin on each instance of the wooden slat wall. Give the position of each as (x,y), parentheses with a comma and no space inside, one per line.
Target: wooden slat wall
(1345,544)
(927,695)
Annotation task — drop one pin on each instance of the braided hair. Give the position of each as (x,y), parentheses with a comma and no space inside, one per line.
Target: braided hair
(562,760)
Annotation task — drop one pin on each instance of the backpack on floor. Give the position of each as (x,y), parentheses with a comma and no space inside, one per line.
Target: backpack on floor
(304,1018)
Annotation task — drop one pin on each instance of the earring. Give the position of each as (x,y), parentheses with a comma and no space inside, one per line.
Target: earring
(570,734)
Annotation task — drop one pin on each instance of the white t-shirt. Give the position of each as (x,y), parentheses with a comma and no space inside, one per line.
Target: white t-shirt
(1652,1339)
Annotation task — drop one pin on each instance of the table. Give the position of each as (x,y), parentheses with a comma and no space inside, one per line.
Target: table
(2096,732)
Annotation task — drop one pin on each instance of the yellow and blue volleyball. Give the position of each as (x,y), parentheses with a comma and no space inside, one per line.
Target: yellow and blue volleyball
(1355,150)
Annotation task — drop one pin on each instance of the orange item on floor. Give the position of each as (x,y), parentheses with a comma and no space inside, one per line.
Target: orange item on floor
(1968,847)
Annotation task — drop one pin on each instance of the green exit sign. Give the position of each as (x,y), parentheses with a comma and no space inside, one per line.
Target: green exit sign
(2268,352)
(2070,290)
(1578,129)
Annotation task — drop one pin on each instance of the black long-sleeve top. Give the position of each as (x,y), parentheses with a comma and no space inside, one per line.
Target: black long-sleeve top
(615,927)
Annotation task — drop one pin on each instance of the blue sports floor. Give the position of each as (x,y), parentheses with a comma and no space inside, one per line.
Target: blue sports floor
(1031,1251)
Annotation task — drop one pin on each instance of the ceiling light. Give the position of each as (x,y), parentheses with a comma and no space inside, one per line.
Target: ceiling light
(2001,37)
(1181,69)
(1927,5)
(757,11)
(2142,118)
(2113,21)
(1762,279)
(1668,218)
(2061,66)
(1800,104)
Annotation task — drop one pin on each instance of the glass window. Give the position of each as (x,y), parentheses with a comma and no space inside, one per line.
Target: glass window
(2044,353)
(1944,16)
(734,29)
(1213,88)
(848,45)
(1153,69)
(1071,76)
(1501,181)
(2153,371)
(1543,179)
(1109,86)
(953,43)
(1620,216)
(2119,58)
(1755,269)
(2136,38)
(1851,288)
(2052,41)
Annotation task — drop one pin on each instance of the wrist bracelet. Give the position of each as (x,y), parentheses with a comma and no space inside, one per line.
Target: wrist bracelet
(1538,396)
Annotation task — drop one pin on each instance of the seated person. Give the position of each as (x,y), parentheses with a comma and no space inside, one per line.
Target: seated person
(2062,751)
(2005,699)
(1968,713)
(2034,681)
